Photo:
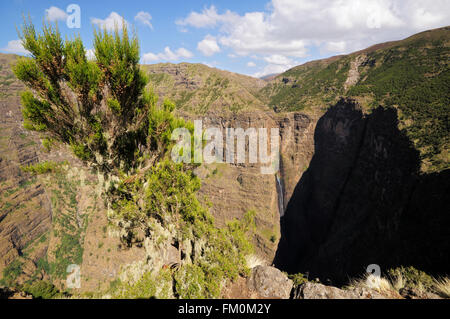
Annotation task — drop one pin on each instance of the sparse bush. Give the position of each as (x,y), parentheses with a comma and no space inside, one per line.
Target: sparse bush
(11,273)
(41,289)
(47,144)
(410,277)
(41,168)
(298,279)
(148,286)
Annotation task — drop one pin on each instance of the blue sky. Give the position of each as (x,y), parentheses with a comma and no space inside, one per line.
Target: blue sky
(249,37)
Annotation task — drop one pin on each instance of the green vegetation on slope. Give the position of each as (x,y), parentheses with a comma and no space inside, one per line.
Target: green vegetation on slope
(11,273)
(116,127)
(41,168)
(199,89)
(415,78)
(169,199)
(412,75)
(310,85)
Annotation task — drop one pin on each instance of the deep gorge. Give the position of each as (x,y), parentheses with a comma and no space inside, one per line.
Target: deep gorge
(363,200)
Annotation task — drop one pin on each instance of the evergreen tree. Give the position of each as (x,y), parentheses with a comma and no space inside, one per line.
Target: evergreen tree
(100,107)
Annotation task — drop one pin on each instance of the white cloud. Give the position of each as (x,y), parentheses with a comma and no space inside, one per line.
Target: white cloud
(149,57)
(272,69)
(15,46)
(90,54)
(184,53)
(335,46)
(54,13)
(114,19)
(207,18)
(290,28)
(144,18)
(167,55)
(278,59)
(208,46)
(251,64)
(212,64)
(276,63)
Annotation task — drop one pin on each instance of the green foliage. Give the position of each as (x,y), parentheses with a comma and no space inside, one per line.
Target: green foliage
(42,264)
(162,122)
(68,225)
(71,93)
(416,80)
(82,151)
(41,168)
(169,197)
(148,286)
(114,105)
(298,279)
(223,259)
(69,251)
(41,289)
(308,85)
(412,277)
(192,284)
(47,144)
(34,112)
(11,272)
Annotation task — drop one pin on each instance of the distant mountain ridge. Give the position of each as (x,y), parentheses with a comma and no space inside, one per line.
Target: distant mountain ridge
(199,89)
(390,74)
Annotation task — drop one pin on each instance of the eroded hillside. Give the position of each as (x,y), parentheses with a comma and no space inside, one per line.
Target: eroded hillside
(199,89)
(49,221)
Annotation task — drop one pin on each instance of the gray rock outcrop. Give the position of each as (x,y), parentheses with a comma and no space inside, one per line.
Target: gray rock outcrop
(270,282)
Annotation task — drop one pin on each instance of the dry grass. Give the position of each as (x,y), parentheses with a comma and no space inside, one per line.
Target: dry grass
(442,287)
(254,260)
(376,283)
(398,280)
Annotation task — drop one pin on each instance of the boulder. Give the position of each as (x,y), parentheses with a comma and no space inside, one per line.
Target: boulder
(311,290)
(269,282)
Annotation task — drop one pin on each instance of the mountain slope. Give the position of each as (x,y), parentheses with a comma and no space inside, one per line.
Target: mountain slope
(411,75)
(199,89)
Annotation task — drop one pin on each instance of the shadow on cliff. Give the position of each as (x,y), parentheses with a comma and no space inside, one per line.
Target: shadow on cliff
(363,201)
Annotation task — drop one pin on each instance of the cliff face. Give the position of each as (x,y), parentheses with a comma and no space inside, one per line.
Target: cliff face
(363,201)
(233,189)
(25,212)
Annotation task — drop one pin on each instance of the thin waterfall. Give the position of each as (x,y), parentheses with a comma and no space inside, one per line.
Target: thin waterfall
(280,193)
